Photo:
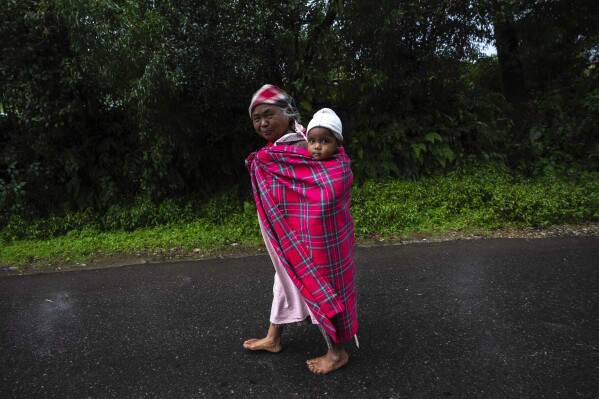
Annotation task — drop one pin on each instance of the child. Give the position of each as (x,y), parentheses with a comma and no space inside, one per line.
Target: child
(324,134)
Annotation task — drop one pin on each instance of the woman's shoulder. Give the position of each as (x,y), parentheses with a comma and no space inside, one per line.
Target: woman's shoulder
(301,144)
(287,151)
(292,139)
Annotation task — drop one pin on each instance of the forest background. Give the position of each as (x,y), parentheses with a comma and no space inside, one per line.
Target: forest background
(117,116)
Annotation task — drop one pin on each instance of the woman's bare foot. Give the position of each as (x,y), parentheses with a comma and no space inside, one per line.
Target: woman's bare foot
(263,344)
(335,358)
(271,343)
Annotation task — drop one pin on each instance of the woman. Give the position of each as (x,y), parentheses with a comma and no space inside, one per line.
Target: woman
(303,209)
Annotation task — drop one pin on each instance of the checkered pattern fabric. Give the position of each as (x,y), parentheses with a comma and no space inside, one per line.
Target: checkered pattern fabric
(304,206)
(270,94)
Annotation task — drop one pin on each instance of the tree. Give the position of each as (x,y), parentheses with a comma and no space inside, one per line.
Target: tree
(548,78)
(106,101)
(401,73)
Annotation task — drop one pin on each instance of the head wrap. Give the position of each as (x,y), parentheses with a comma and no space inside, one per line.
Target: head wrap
(271,94)
(327,118)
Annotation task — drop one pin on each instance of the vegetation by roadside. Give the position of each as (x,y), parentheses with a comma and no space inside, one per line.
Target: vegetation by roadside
(471,201)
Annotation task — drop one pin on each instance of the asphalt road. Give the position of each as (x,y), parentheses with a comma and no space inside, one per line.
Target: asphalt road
(496,318)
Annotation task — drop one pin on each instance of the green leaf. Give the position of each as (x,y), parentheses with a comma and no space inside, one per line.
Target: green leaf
(433,137)
(418,149)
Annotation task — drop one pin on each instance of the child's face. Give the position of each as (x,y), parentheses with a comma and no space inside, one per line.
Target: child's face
(322,143)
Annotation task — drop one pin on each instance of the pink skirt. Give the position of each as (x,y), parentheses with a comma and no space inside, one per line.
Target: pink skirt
(288,305)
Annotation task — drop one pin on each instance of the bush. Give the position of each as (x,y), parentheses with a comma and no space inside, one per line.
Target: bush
(479,197)
(472,197)
(140,213)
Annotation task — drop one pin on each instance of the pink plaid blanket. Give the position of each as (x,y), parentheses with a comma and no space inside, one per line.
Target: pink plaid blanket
(304,206)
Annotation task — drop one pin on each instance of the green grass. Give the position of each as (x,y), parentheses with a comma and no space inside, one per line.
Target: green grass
(475,199)
(472,199)
(81,246)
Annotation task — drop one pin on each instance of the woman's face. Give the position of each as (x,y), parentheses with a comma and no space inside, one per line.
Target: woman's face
(270,122)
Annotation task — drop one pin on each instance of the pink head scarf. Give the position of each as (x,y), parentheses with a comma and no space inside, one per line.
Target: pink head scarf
(271,94)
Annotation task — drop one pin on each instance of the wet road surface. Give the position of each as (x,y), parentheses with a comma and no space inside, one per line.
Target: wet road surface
(497,318)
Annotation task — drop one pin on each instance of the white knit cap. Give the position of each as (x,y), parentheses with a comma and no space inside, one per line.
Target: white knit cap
(326,117)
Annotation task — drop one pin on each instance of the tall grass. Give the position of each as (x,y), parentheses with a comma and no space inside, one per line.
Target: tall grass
(486,197)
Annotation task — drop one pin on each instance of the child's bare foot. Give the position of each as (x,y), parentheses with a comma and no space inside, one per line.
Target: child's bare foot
(263,344)
(328,363)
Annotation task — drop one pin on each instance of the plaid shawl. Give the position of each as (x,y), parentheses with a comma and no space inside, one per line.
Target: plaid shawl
(304,206)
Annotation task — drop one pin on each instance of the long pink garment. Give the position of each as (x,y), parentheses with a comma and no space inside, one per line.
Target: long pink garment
(288,306)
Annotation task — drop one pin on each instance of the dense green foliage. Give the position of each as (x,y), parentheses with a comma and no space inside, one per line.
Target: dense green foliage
(139,214)
(475,198)
(470,199)
(112,105)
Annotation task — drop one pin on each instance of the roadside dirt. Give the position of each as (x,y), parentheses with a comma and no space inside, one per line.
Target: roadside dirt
(233,251)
